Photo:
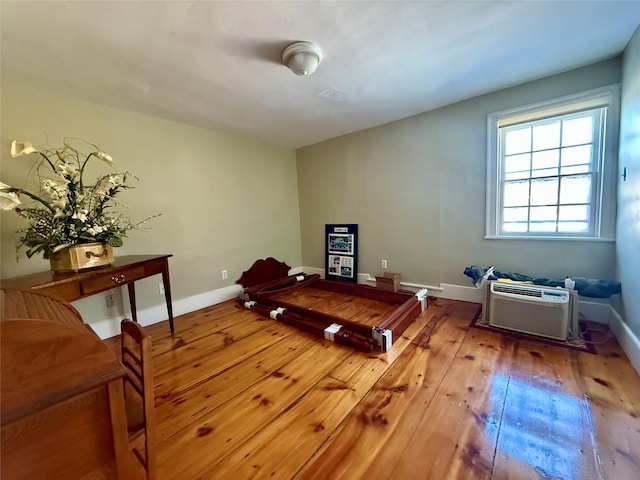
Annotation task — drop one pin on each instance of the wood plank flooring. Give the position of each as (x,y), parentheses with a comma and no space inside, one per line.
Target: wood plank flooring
(240,396)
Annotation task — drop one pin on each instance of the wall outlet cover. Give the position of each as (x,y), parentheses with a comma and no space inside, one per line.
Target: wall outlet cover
(111,300)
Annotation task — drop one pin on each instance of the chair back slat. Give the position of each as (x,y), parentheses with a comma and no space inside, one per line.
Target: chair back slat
(135,382)
(137,360)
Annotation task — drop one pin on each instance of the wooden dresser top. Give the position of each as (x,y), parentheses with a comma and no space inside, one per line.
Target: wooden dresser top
(47,354)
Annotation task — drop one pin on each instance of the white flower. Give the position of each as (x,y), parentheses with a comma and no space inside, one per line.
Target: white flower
(55,188)
(68,209)
(100,192)
(105,157)
(80,215)
(8,200)
(116,180)
(19,148)
(60,203)
(95,230)
(68,169)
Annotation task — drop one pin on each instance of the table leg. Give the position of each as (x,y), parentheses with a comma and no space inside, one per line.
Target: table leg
(132,300)
(167,295)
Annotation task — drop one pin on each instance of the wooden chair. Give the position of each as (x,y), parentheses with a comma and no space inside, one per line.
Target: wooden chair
(138,393)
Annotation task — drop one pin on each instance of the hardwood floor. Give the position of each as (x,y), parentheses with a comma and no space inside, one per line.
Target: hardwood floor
(241,396)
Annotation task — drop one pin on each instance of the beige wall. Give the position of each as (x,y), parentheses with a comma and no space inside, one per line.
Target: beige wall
(416,187)
(225,200)
(628,225)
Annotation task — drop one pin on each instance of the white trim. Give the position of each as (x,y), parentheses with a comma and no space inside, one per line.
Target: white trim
(318,271)
(626,338)
(296,270)
(107,327)
(603,202)
(110,327)
(522,237)
(411,286)
(463,293)
(593,311)
(590,99)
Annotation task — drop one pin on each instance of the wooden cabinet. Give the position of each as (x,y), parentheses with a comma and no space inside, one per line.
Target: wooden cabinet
(62,404)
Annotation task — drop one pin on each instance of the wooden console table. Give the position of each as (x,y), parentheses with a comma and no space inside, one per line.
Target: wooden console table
(125,270)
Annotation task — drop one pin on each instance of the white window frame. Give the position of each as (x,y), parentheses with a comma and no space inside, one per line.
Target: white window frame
(602,225)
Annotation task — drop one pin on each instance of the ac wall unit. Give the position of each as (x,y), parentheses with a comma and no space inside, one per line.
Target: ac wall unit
(544,311)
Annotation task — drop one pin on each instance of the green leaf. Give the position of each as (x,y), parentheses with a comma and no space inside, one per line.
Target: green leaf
(115,242)
(33,250)
(57,248)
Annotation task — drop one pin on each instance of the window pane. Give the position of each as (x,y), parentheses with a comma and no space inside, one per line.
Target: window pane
(539,214)
(517,163)
(576,155)
(549,172)
(516,194)
(574,227)
(546,136)
(514,227)
(575,189)
(577,131)
(544,192)
(577,158)
(546,159)
(574,212)
(517,176)
(576,170)
(517,141)
(543,227)
(515,214)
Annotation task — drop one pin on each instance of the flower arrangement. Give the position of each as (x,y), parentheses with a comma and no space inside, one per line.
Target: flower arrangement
(67,210)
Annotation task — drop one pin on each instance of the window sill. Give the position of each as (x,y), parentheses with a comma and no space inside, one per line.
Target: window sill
(574,239)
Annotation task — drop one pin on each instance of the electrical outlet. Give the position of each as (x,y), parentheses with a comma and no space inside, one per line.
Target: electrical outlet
(383,264)
(111,300)
(224,274)
(161,288)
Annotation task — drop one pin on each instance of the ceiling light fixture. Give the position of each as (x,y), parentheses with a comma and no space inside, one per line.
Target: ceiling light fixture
(302,58)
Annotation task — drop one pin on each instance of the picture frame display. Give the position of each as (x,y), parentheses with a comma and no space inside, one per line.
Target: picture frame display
(341,247)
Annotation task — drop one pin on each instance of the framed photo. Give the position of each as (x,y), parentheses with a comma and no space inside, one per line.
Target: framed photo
(341,243)
(341,252)
(341,266)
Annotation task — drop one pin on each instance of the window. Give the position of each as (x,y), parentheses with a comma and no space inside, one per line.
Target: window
(551,168)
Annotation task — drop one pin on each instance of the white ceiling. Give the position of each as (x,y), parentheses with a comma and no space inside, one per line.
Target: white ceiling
(217,64)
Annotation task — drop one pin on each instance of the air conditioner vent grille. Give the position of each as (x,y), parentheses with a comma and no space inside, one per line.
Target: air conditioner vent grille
(519,290)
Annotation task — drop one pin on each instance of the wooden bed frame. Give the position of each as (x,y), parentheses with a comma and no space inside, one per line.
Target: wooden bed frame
(269,277)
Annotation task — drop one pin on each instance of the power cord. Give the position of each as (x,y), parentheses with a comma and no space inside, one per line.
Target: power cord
(584,329)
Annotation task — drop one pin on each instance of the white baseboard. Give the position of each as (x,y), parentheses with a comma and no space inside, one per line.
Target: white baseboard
(296,270)
(110,327)
(593,311)
(607,315)
(459,292)
(626,338)
(311,271)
